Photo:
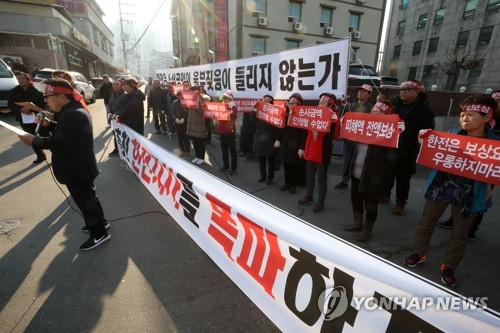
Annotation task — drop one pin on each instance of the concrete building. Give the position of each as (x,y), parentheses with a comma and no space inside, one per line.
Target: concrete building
(219,30)
(57,34)
(450,44)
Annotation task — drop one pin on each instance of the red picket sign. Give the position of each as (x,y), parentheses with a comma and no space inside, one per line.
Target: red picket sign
(189,99)
(244,105)
(314,118)
(175,88)
(270,113)
(280,103)
(466,156)
(214,110)
(373,129)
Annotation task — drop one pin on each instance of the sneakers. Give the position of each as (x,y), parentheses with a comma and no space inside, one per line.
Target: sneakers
(95,242)
(448,224)
(341,186)
(106,226)
(108,126)
(399,209)
(318,207)
(113,153)
(199,162)
(414,259)
(306,200)
(448,276)
(195,160)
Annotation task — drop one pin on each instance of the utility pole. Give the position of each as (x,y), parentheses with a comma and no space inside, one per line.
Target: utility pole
(123,37)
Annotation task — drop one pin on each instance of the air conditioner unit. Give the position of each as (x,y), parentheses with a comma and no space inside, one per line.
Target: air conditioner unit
(328,31)
(356,34)
(360,1)
(262,20)
(297,26)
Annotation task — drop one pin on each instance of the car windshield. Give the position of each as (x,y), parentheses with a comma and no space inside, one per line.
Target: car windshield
(4,71)
(367,71)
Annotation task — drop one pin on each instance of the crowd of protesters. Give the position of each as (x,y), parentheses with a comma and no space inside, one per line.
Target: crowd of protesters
(372,170)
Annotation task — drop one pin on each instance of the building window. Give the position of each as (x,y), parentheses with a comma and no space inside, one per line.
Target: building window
(401,28)
(439,17)
(397,52)
(422,20)
(22,42)
(433,44)
(292,44)
(258,46)
(493,5)
(294,10)
(417,47)
(261,6)
(354,21)
(326,17)
(470,8)
(476,71)
(41,44)
(463,38)
(484,36)
(352,54)
(430,75)
(96,36)
(405,4)
(412,73)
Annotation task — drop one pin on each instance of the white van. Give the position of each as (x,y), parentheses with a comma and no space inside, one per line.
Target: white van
(7,82)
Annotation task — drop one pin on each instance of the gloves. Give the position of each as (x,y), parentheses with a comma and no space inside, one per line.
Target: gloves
(177,121)
(401,126)
(423,134)
(277,144)
(182,120)
(301,153)
(334,117)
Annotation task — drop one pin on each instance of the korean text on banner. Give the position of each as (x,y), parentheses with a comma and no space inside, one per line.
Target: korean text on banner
(302,278)
(214,110)
(189,100)
(270,113)
(466,156)
(244,105)
(373,129)
(314,118)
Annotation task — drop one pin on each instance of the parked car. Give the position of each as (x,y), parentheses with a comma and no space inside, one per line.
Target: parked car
(363,74)
(390,82)
(97,83)
(7,82)
(83,86)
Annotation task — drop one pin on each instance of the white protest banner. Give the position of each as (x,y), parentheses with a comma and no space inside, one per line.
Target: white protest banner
(311,70)
(302,278)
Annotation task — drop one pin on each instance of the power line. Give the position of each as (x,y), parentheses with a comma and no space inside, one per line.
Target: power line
(149,24)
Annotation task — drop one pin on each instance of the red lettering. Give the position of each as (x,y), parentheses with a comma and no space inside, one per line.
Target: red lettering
(224,229)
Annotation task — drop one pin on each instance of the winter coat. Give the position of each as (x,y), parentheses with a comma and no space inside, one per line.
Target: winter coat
(419,117)
(292,139)
(228,127)
(196,122)
(17,94)
(115,102)
(249,123)
(105,92)
(132,112)
(265,137)
(156,99)
(319,150)
(178,112)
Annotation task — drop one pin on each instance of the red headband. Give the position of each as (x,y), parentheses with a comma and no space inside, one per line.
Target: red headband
(384,107)
(63,90)
(411,84)
(480,108)
(496,95)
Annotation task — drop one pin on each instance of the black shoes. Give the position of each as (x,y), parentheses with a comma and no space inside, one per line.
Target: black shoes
(94,242)
(261,180)
(341,186)
(306,200)
(39,159)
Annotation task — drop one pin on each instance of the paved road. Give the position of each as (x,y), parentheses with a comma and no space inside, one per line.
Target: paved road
(151,277)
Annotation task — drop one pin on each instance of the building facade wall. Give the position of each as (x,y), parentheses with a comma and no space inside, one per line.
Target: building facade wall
(432,67)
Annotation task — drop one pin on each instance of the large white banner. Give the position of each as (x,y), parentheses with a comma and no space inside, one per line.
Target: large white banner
(309,70)
(301,277)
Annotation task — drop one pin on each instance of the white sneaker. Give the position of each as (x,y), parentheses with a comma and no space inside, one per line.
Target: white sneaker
(195,160)
(200,161)
(108,126)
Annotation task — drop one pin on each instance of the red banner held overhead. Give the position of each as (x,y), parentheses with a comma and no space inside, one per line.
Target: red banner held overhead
(373,129)
(189,100)
(214,110)
(270,113)
(314,118)
(466,156)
